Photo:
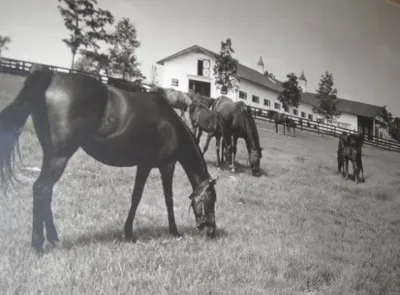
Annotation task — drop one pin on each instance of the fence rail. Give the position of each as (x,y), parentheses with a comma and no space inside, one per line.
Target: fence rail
(330,130)
(22,68)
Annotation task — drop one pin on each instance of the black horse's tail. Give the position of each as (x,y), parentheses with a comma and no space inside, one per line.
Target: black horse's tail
(12,120)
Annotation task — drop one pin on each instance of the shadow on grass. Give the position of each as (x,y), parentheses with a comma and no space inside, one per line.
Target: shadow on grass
(239,167)
(141,234)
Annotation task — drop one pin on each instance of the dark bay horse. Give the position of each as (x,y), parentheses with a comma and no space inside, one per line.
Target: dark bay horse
(239,117)
(207,101)
(281,119)
(204,119)
(350,149)
(115,127)
(177,99)
(126,85)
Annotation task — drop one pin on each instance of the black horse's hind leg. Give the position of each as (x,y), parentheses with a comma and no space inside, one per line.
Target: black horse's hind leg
(52,169)
(142,173)
(167,174)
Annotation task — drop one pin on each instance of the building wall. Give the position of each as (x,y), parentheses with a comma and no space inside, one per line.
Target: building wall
(184,68)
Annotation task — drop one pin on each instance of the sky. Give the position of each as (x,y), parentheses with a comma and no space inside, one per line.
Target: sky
(358,41)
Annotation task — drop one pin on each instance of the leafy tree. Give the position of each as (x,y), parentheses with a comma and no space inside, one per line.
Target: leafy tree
(269,74)
(225,68)
(386,116)
(123,61)
(86,23)
(327,96)
(291,93)
(86,64)
(4,41)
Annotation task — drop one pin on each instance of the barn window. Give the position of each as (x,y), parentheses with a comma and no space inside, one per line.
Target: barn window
(224,90)
(255,99)
(277,105)
(174,82)
(267,102)
(295,112)
(242,95)
(303,114)
(310,117)
(200,67)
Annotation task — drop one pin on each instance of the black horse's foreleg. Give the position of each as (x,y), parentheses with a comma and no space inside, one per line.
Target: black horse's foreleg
(217,145)
(52,169)
(234,149)
(209,137)
(167,174)
(200,132)
(142,173)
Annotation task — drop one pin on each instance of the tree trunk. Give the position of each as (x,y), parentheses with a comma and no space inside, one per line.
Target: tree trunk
(73,60)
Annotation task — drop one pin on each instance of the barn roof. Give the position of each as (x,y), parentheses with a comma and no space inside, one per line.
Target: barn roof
(346,106)
(249,74)
(244,72)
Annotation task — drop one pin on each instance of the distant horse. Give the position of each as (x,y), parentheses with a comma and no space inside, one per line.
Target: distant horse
(204,119)
(350,148)
(239,117)
(176,99)
(281,119)
(207,101)
(126,85)
(115,127)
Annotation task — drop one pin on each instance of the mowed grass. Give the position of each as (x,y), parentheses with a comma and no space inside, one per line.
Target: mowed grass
(298,229)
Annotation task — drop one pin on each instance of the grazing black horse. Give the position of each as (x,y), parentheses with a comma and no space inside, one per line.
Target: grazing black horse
(350,148)
(239,117)
(126,85)
(282,119)
(204,119)
(115,127)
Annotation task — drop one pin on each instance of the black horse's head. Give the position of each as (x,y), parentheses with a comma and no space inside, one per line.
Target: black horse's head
(254,159)
(203,205)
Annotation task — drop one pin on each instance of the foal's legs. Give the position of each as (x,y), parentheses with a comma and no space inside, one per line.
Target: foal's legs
(200,132)
(142,173)
(52,168)
(167,174)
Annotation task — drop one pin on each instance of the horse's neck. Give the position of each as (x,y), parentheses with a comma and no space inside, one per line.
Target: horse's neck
(190,157)
(251,138)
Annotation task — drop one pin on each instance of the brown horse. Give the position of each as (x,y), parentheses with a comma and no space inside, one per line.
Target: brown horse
(126,85)
(207,101)
(115,127)
(204,119)
(350,149)
(239,117)
(176,99)
(281,119)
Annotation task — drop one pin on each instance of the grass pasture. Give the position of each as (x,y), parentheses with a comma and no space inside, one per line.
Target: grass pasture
(298,229)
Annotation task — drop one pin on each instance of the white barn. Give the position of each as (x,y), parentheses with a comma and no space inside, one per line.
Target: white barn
(192,68)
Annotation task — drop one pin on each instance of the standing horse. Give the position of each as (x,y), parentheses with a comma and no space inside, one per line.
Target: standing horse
(176,99)
(126,85)
(239,117)
(350,148)
(115,127)
(204,119)
(207,101)
(282,119)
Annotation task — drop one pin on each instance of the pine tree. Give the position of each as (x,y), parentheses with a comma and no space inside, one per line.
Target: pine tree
(291,93)
(327,97)
(123,61)
(87,25)
(225,68)
(4,41)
